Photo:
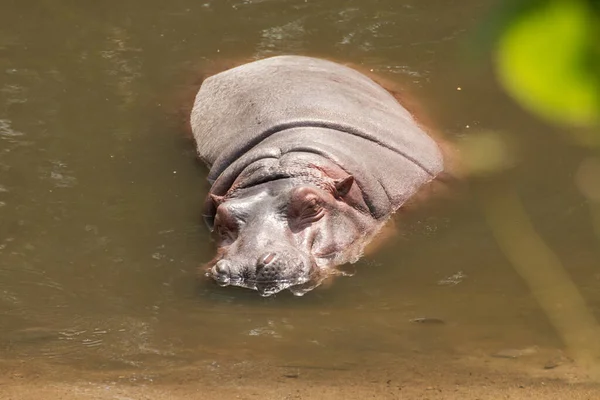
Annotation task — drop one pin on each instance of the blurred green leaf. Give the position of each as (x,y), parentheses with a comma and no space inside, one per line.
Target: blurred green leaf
(548,59)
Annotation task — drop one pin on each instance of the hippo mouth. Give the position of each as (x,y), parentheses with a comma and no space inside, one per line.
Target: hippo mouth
(269,278)
(268,288)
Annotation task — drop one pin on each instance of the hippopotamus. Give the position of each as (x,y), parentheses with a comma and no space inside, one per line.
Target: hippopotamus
(308,159)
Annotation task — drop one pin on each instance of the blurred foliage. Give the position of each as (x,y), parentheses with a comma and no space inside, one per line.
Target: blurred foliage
(548,57)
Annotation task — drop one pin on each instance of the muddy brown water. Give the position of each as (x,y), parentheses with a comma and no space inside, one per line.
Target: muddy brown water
(100,228)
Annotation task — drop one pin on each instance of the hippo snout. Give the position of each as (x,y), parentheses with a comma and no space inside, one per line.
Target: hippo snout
(271,273)
(276,271)
(268,269)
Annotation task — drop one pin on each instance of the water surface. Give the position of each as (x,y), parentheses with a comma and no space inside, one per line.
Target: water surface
(100,195)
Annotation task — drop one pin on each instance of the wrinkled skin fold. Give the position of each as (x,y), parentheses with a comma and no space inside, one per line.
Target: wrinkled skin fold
(308,159)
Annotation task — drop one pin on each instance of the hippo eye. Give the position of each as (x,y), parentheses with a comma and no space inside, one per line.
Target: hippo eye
(225,234)
(311,207)
(306,212)
(225,226)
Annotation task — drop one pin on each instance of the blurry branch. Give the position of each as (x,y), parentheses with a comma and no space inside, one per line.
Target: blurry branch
(595,211)
(540,268)
(588,182)
(547,57)
(488,153)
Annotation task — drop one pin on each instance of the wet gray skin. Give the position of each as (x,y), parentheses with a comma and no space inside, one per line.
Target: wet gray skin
(308,159)
(280,235)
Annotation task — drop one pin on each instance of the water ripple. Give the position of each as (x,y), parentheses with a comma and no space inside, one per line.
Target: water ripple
(7,132)
(290,35)
(61,175)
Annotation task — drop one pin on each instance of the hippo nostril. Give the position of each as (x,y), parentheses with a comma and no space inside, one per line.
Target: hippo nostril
(267,259)
(221,272)
(222,267)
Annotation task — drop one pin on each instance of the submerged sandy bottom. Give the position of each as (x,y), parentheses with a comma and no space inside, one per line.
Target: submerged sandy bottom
(423,377)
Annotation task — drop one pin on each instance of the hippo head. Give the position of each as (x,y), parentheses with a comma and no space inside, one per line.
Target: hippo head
(284,235)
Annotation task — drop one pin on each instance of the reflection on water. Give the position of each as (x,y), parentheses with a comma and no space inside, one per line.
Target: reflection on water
(100,196)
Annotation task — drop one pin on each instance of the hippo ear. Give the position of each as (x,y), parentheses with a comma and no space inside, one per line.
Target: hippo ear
(217,200)
(342,186)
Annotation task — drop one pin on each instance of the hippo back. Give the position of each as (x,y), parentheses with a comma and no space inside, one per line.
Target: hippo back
(341,110)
